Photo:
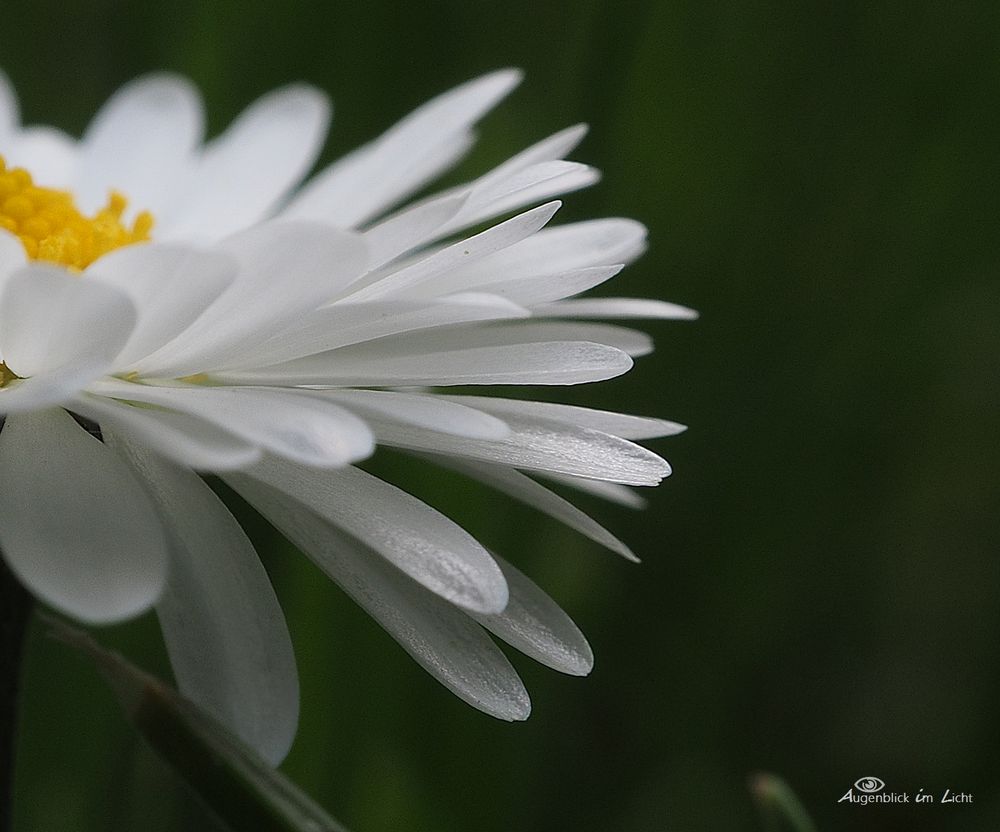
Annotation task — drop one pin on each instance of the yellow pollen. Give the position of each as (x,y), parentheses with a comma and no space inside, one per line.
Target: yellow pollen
(197,378)
(51,227)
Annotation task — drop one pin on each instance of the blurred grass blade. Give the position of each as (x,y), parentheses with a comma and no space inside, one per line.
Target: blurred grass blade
(778,805)
(243,791)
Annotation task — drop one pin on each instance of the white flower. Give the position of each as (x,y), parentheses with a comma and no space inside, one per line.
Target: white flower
(274,334)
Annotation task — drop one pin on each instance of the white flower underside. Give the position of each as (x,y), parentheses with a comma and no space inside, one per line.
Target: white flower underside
(291,305)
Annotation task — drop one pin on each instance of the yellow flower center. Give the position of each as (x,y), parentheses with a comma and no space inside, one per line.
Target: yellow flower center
(51,227)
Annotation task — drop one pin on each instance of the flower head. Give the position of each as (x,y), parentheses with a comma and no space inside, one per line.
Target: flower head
(171,306)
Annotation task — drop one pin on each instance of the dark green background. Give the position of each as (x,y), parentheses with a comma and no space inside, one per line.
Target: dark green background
(819,592)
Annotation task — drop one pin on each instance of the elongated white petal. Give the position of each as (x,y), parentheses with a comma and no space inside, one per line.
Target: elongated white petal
(370,180)
(48,318)
(252,166)
(224,630)
(9,116)
(523,488)
(506,333)
(441,638)
(23,396)
(78,530)
(619,424)
(420,541)
(289,424)
(409,228)
(140,142)
(345,324)
(48,154)
(539,289)
(431,412)
(405,280)
(533,184)
(170,286)
(433,163)
(549,149)
(535,625)
(622,495)
(12,258)
(61,331)
(285,270)
(553,148)
(558,362)
(563,248)
(497,190)
(185,439)
(12,255)
(538,446)
(616,308)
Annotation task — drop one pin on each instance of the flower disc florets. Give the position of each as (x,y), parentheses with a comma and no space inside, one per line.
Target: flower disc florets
(52,228)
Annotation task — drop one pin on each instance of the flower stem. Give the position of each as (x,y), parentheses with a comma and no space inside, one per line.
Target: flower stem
(15,608)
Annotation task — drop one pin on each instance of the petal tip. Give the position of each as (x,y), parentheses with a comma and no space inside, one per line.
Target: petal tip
(506,78)
(581,665)
(517,710)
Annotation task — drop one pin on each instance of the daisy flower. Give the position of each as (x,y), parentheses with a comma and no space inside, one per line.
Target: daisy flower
(171,307)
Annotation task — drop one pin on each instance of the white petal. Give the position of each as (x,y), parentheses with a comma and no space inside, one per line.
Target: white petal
(290,424)
(170,286)
(535,625)
(224,630)
(12,255)
(508,333)
(563,248)
(505,333)
(185,439)
(365,365)
(344,324)
(285,270)
(23,396)
(48,317)
(538,446)
(616,308)
(141,143)
(619,424)
(523,488)
(462,340)
(409,228)
(441,638)
(524,187)
(370,180)
(62,330)
(420,541)
(535,289)
(548,150)
(431,412)
(78,528)
(9,116)
(48,154)
(611,491)
(249,169)
(396,281)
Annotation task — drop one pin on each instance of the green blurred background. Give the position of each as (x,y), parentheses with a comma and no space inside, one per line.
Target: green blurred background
(819,592)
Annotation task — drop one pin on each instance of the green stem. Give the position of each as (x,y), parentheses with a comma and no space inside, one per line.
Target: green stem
(15,609)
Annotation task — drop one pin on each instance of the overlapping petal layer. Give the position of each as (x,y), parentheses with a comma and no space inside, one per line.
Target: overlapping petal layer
(275,332)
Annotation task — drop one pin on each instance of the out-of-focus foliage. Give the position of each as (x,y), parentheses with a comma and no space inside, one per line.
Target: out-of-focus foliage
(820,592)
